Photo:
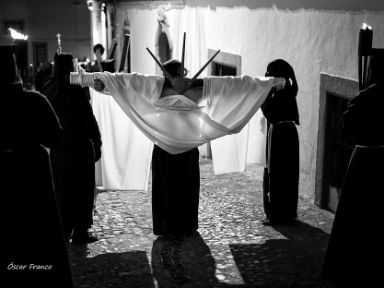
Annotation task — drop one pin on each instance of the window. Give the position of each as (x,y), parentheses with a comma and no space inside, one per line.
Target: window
(224,64)
(223,70)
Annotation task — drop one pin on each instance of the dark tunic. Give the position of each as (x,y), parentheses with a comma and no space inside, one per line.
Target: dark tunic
(73,161)
(354,241)
(42,77)
(31,227)
(281,177)
(106,65)
(175,192)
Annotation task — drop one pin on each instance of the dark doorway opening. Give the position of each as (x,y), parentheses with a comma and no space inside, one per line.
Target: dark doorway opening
(334,147)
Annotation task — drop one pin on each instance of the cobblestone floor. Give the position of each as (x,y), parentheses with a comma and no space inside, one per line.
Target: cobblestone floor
(231,249)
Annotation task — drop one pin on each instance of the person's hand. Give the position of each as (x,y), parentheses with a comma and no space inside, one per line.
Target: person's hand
(163,27)
(163,22)
(279,83)
(98,85)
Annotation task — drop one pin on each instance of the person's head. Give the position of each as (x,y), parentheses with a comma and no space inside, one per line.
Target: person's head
(8,71)
(98,49)
(63,65)
(281,68)
(173,67)
(375,73)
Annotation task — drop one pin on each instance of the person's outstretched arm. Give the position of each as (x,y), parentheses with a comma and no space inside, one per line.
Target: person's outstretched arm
(279,83)
(86,79)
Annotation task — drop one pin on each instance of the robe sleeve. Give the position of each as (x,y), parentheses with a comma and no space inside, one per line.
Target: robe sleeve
(49,131)
(228,104)
(232,101)
(123,84)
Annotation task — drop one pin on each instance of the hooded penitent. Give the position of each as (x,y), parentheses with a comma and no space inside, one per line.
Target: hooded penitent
(63,65)
(8,71)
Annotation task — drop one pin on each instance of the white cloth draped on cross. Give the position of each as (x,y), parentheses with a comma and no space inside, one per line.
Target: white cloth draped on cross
(176,123)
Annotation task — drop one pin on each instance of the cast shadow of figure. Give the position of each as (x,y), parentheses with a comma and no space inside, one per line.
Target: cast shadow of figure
(293,261)
(187,262)
(119,270)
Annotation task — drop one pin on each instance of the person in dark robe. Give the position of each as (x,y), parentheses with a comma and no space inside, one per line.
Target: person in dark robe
(175,176)
(43,75)
(354,241)
(175,182)
(281,176)
(34,252)
(73,161)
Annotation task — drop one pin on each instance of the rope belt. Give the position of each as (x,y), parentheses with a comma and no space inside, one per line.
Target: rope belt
(282,122)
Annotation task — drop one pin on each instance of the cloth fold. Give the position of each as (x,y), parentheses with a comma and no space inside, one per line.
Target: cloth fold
(175,124)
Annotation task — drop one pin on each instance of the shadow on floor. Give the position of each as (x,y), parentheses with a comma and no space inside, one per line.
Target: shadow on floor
(129,269)
(187,263)
(293,261)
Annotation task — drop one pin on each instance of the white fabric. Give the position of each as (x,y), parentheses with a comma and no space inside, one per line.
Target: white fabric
(234,147)
(229,103)
(239,149)
(126,152)
(257,139)
(247,146)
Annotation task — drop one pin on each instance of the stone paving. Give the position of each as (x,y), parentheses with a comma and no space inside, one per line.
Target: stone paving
(231,249)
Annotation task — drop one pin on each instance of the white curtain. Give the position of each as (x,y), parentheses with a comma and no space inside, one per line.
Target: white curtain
(126,152)
(245,147)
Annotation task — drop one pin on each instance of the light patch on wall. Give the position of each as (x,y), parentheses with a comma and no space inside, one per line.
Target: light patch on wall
(17,35)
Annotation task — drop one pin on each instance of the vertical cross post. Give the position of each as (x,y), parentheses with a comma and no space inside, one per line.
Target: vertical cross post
(58,35)
(182,58)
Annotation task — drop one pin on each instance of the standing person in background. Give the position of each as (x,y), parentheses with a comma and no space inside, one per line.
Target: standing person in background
(281,176)
(33,234)
(73,162)
(349,260)
(43,75)
(98,50)
(100,65)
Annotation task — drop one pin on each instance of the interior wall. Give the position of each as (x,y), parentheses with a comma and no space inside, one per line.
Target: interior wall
(45,18)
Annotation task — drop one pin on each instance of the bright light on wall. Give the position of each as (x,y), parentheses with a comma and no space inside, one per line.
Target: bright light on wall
(17,35)
(366,26)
